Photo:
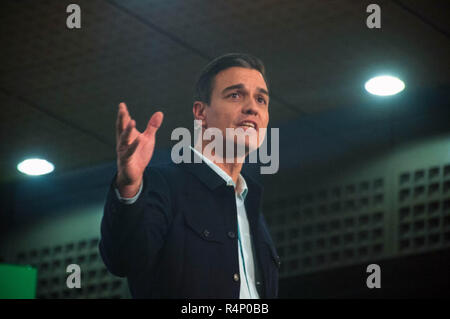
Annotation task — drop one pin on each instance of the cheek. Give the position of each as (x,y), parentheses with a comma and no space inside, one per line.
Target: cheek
(227,119)
(266,119)
(213,117)
(220,120)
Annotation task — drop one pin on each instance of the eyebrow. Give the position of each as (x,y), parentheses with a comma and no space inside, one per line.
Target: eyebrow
(241,86)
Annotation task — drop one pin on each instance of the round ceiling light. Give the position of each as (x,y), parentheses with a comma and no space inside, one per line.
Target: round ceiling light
(35,166)
(384,85)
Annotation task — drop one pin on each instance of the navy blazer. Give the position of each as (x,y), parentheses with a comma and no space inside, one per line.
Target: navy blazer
(178,240)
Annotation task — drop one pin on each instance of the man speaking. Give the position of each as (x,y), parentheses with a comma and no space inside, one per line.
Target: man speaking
(194,229)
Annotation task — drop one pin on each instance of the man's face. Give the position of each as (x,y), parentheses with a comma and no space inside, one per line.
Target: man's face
(239,99)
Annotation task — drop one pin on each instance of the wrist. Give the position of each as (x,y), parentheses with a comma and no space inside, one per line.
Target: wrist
(127,190)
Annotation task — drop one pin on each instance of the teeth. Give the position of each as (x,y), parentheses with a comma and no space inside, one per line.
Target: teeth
(248,124)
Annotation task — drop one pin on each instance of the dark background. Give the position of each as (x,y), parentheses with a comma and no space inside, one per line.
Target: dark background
(362,179)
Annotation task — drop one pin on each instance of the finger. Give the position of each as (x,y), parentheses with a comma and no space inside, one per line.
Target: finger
(122,119)
(132,148)
(125,136)
(154,123)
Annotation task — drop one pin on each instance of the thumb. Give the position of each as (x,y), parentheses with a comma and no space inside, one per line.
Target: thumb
(154,123)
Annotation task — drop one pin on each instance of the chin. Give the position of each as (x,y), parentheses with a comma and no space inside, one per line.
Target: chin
(249,147)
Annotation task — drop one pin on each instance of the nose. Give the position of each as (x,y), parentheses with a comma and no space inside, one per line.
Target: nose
(250,107)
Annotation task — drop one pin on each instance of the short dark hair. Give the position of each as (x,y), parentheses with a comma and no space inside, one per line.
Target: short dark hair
(204,85)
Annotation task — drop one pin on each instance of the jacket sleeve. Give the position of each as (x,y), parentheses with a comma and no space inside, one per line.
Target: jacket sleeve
(133,234)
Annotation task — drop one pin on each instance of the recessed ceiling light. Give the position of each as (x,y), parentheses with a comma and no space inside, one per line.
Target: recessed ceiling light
(35,166)
(384,85)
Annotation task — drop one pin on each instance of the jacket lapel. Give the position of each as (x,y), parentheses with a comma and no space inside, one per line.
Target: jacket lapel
(203,172)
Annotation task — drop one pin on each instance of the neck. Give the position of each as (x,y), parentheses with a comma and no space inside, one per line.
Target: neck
(232,169)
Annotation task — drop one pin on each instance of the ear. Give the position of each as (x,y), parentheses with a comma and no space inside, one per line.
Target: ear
(199,111)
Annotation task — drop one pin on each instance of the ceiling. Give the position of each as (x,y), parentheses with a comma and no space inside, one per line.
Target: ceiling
(60,87)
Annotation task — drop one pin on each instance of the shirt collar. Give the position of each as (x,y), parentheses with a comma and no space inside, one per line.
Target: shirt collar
(227,178)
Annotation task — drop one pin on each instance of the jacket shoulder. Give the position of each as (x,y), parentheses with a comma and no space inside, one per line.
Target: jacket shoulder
(169,176)
(168,170)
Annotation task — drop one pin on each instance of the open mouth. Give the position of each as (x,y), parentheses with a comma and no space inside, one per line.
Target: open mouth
(248,124)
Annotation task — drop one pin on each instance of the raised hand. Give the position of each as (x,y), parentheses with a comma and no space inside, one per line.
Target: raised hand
(134,150)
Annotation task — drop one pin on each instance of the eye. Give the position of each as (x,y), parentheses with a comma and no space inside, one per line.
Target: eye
(234,95)
(262,100)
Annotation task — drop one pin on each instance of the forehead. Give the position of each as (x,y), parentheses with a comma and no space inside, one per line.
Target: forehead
(251,78)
